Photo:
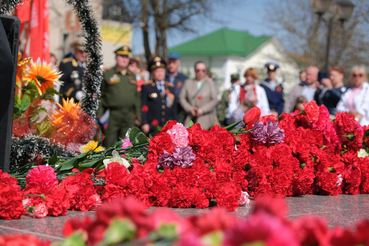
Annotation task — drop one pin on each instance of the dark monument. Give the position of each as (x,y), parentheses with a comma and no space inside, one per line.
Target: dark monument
(9,42)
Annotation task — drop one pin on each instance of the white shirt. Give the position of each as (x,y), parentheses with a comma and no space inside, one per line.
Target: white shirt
(161,86)
(234,99)
(361,103)
(262,100)
(308,92)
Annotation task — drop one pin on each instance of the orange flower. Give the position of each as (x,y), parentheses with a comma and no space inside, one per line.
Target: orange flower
(69,110)
(43,75)
(22,65)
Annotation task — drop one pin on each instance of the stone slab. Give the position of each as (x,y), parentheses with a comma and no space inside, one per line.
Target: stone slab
(342,210)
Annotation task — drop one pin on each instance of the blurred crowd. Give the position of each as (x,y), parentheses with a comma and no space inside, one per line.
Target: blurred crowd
(147,96)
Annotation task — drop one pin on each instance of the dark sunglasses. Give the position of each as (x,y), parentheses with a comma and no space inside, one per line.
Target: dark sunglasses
(357,75)
(202,70)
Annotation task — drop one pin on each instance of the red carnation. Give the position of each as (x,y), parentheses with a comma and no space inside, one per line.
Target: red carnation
(169,125)
(22,240)
(312,111)
(43,176)
(199,97)
(155,122)
(145,108)
(81,191)
(252,116)
(265,119)
(57,201)
(11,205)
(76,224)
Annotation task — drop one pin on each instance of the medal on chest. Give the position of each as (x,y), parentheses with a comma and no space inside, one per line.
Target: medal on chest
(114,79)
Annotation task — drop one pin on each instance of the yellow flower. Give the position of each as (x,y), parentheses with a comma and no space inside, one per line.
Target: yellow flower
(90,146)
(43,75)
(69,110)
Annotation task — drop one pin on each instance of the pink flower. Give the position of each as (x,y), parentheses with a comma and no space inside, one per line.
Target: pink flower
(40,211)
(126,143)
(43,176)
(178,135)
(244,199)
(97,200)
(27,203)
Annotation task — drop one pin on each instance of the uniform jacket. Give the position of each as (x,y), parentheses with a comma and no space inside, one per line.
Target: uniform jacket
(290,102)
(157,108)
(179,80)
(72,77)
(222,109)
(119,93)
(361,103)
(206,99)
(275,96)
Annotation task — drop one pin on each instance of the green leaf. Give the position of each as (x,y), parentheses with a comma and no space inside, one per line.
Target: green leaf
(49,93)
(191,123)
(158,128)
(141,138)
(302,165)
(119,230)
(331,169)
(231,126)
(133,133)
(165,231)
(71,163)
(366,134)
(350,137)
(90,164)
(214,238)
(26,101)
(52,160)
(76,239)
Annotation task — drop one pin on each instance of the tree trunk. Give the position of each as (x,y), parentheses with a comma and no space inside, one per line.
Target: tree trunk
(145,28)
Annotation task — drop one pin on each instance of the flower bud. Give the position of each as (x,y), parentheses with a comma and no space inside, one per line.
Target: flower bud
(252,116)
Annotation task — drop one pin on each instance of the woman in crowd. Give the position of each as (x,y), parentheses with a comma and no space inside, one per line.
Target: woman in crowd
(356,100)
(253,92)
(334,89)
(198,98)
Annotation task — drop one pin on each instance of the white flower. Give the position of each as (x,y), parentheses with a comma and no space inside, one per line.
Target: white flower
(244,199)
(339,180)
(362,153)
(116,158)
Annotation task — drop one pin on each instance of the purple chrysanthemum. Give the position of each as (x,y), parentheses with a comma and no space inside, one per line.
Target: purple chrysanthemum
(269,133)
(182,157)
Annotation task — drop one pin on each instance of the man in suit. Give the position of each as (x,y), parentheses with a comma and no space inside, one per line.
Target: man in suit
(73,69)
(176,78)
(198,98)
(273,89)
(157,97)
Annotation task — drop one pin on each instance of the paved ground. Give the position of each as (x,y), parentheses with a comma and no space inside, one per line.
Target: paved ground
(342,210)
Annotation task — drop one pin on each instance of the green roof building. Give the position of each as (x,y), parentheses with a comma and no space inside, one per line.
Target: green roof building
(228,51)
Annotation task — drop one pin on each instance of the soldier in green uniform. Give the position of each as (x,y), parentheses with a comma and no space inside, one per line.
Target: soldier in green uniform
(229,100)
(73,69)
(119,95)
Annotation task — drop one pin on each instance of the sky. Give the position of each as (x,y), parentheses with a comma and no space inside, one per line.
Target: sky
(246,15)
